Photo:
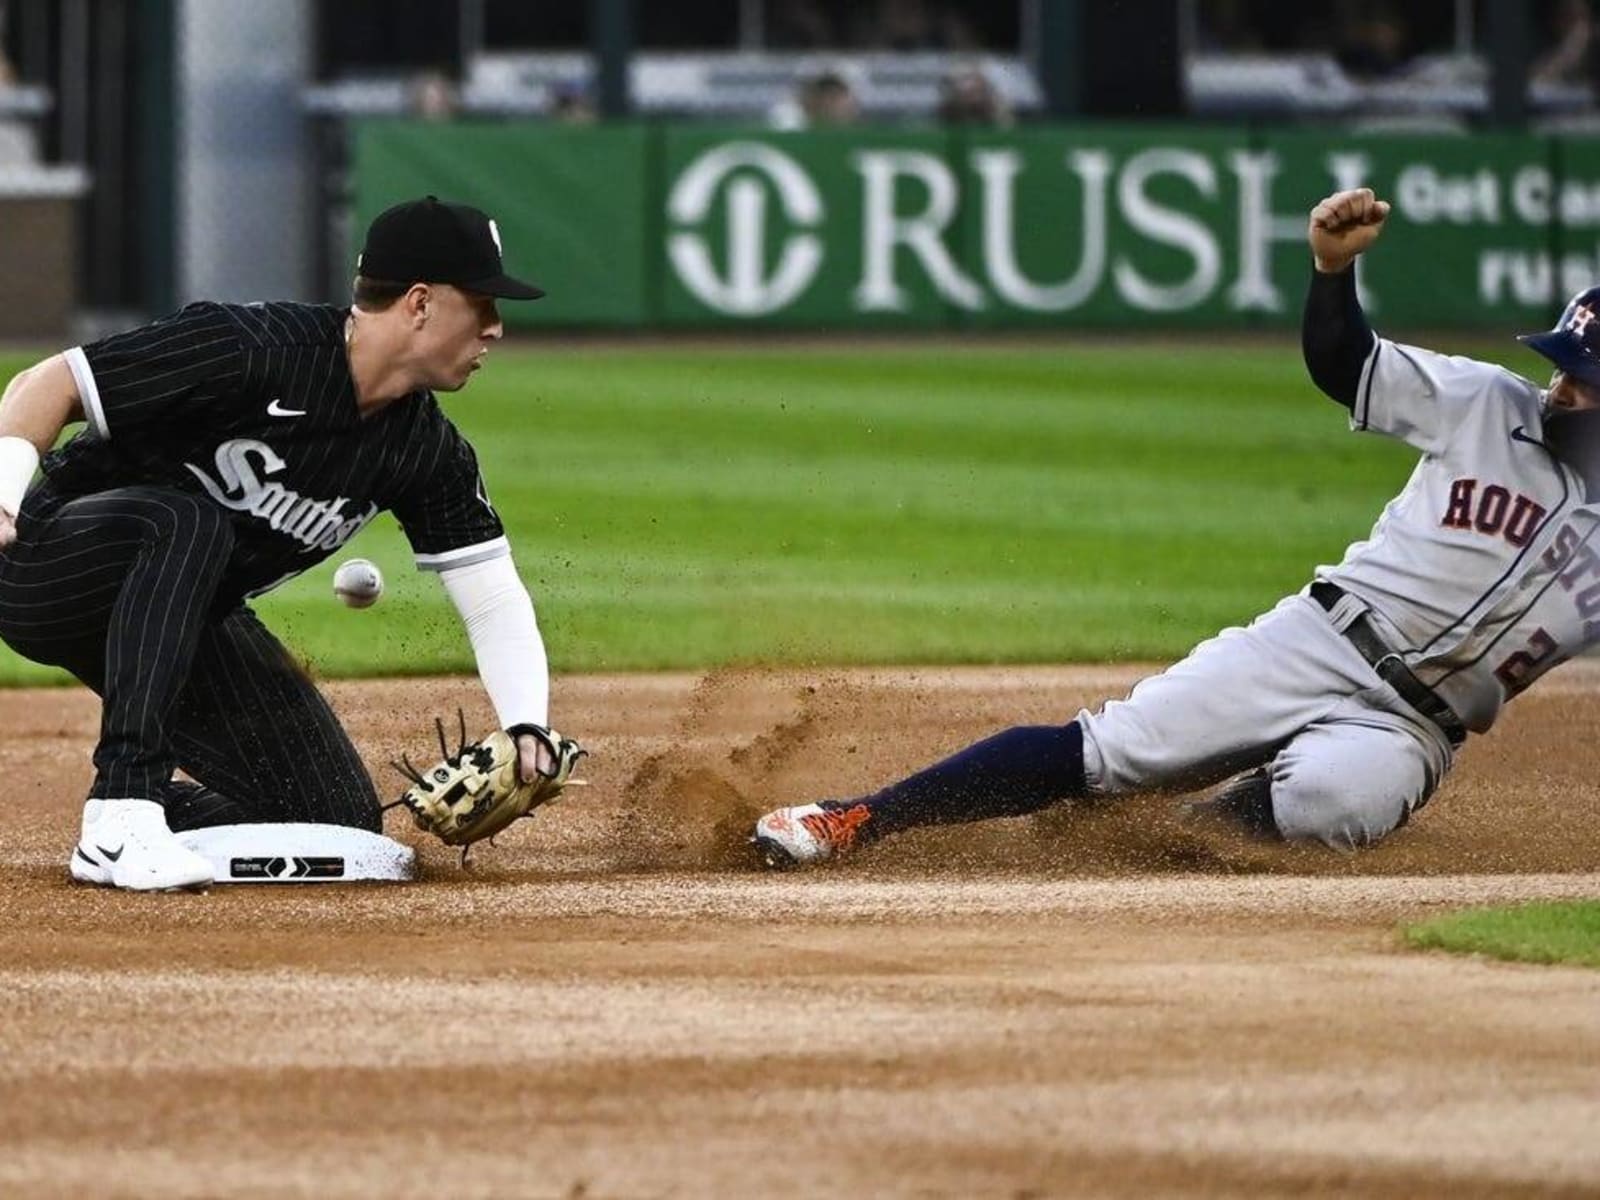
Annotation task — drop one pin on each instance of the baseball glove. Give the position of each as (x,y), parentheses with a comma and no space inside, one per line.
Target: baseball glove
(477,791)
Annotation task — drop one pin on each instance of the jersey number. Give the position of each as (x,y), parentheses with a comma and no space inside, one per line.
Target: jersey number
(1523,667)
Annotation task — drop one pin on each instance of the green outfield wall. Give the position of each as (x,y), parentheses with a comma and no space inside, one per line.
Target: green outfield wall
(695,226)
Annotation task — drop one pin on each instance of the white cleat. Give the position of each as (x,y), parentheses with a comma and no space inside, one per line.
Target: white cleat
(126,844)
(808,833)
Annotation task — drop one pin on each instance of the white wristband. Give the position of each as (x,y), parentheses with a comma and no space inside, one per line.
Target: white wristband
(18,461)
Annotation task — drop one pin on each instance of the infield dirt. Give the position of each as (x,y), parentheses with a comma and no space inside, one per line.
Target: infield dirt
(612,1002)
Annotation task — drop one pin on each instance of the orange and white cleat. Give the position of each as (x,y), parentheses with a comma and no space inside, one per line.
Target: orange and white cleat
(808,833)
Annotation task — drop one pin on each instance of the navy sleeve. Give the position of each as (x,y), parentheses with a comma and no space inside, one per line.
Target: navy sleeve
(1334,335)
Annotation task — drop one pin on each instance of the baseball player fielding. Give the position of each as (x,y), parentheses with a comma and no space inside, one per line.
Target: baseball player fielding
(227,449)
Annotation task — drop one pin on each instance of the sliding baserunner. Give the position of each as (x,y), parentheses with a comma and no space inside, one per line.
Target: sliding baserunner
(1341,709)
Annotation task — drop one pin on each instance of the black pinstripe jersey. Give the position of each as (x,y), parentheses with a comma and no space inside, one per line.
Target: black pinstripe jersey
(254,406)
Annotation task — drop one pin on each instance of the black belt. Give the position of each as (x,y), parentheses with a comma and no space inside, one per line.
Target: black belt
(1390,667)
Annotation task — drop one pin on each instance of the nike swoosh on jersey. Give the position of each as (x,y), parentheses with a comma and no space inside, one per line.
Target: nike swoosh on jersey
(1519,435)
(276,409)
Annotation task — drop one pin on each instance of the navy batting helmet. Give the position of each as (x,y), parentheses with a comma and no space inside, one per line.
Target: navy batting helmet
(1574,344)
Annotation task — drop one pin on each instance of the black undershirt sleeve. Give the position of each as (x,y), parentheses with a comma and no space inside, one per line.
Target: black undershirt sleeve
(1334,335)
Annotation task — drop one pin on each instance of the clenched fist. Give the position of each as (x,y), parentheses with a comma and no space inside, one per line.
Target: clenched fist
(8,529)
(1343,226)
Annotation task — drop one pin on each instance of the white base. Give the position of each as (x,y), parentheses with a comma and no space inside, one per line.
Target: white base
(299,852)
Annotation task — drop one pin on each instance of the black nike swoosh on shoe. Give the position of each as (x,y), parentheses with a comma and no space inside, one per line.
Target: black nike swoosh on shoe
(79,852)
(113,856)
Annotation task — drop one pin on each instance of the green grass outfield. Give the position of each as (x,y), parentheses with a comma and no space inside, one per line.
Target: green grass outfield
(1567,933)
(684,506)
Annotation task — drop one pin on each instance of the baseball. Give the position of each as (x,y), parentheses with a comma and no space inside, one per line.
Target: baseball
(358,583)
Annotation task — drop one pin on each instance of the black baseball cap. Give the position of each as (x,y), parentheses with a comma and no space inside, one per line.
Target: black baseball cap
(1574,344)
(429,241)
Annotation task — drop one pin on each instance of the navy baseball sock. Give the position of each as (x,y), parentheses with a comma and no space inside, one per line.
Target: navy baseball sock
(1010,774)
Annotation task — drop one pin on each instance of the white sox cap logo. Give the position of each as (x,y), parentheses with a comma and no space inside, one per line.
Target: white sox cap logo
(318,524)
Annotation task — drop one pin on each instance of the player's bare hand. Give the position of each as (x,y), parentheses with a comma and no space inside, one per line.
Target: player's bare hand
(533,759)
(8,529)
(1344,225)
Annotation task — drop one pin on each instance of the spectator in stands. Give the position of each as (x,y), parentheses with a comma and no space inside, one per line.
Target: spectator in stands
(1571,56)
(967,97)
(822,101)
(17,142)
(828,99)
(7,75)
(571,104)
(433,97)
(1374,41)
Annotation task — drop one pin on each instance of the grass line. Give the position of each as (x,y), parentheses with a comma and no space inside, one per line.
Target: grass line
(1567,933)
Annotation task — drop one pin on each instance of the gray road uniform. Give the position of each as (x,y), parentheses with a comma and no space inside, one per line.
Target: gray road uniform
(1340,710)
(1479,576)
